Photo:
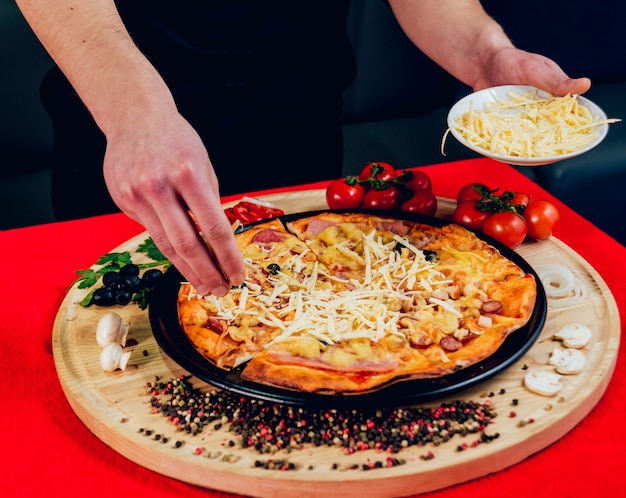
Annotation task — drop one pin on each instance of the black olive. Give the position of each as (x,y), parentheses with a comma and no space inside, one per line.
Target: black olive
(115,286)
(129,270)
(430,255)
(398,247)
(273,268)
(150,277)
(132,283)
(123,297)
(103,297)
(110,278)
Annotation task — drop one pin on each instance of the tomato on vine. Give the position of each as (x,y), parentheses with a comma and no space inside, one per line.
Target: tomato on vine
(506,227)
(520,199)
(415,180)
(467,214)
(423,201)
(387,198)
(541,216)
(380,186)
(377,171)
(340,194)
(472,192)
(507,216)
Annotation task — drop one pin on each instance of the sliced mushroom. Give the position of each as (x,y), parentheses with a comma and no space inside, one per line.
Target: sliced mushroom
(574,335)
(543,382)
(567,361)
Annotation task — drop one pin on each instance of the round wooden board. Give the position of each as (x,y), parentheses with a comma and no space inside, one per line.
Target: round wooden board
(115,406)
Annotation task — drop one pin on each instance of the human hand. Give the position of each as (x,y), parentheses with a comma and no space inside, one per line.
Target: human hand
(156,173)
(512,66)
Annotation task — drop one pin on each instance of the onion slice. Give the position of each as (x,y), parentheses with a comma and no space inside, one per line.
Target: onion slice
(557,280)
(561,285)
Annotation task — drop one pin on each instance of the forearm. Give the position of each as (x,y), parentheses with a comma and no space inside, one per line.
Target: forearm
(90,44)
(457,34)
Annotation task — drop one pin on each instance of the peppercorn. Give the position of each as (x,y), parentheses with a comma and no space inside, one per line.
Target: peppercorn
(269,428)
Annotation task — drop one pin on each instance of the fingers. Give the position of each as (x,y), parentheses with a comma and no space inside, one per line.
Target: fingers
(211,261)
(201,197)
(576,86)
(547,75)
(176,239)
(220,243)
(511,66)
(160,201)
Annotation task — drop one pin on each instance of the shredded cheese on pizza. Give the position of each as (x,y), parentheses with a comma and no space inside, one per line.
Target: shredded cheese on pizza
(301,305)
(529,126)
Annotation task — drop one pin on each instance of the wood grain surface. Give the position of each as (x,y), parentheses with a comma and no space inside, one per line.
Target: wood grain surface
(116,406)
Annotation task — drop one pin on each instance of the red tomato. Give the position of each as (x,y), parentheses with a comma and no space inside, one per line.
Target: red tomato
(469,192)
(541,217)
(340,195)
(387,198)
(378,171)
(506,227)
(422,202)
(520,199)
(418,181)
(468,215)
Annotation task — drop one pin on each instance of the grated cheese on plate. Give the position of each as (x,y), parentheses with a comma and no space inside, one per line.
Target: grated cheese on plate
(527,125)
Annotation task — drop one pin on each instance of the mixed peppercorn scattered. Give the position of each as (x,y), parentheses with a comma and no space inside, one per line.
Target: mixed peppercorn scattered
(271,427)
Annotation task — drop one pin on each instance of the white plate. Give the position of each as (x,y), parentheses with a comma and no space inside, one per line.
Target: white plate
(478,100)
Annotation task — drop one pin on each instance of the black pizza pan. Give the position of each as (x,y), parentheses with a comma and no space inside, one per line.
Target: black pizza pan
(163,314)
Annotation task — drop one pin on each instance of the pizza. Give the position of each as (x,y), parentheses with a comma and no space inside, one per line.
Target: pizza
(343,303)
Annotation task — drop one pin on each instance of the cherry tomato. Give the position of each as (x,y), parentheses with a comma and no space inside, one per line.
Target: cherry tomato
(468,215)
(469,192)
(422,202)
(506,227)
(340,195)
(520,199)
(418,181)
(541,217)
(378,171)
(387,198)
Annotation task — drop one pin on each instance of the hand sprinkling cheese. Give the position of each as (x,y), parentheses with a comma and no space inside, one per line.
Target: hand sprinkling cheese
(574,335)
(543,382)
(567,361)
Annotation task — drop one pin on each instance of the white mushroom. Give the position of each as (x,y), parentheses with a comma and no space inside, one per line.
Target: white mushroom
(113,357)
(543,382)
(574,335)
(567,361)
(111,329)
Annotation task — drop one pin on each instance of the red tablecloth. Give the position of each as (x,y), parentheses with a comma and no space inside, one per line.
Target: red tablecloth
(47,451)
